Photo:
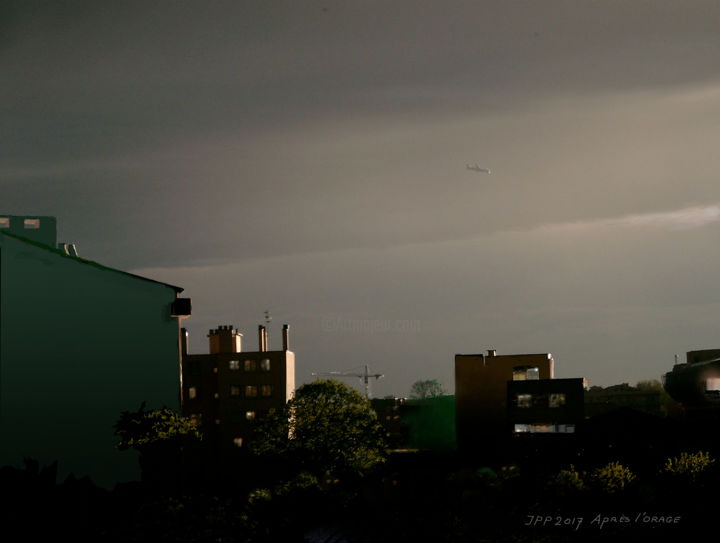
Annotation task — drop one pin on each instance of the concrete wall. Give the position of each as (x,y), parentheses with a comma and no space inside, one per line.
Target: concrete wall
(79,344)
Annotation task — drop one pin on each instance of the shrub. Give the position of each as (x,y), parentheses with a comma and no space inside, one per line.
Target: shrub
(688,466)
(612,478)
(567,481)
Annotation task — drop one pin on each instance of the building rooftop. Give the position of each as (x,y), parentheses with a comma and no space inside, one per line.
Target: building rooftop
(65,254)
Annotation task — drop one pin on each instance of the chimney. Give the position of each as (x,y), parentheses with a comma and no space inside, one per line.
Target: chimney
(492,352)
(262,338)
(225,340)
(286,337)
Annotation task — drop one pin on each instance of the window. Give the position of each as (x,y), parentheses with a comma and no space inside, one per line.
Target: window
(557,400)
(237,441)
(525,373)
(194,367)
(251,391)
(192,393)
(250,365)
(235,391)
(217,421)
(196,419)
(32,224)
(712,383)
(266,390)
(216,395)
(265,364)
(4,222)
(545,428)
(234,365)
(524,400)
(249,415)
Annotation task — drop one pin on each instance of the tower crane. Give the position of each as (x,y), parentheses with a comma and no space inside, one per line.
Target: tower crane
(365,376)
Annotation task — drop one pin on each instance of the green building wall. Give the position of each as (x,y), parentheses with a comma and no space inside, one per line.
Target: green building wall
(431,423)
(79,343)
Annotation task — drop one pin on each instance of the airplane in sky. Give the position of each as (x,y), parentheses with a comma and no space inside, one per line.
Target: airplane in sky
(477,168)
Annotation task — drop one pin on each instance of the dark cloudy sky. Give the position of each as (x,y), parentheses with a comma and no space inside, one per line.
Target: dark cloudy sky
(309,158)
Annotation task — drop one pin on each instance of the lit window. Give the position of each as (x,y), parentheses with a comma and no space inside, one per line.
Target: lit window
(712,383)
(4,222)
(235,390)
(192,393)
(216,395)
(523,373)
(545,428)
(214,370)
(524,400)
(250,415)
(556,400)
(250,365)
(251,391)
(32,224)
(196,419)
(217,421)
(234,364)
(237,442)
(266,390)
(265,364)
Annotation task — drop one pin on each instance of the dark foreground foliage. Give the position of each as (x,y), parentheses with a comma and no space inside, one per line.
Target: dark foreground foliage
(410,498)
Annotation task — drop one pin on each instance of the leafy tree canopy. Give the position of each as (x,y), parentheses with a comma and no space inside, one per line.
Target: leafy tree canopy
(142,428)
(327,427)
(428,388)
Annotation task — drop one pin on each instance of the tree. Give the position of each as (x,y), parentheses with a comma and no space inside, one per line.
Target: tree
(668,406)
(429,388)
(327,428)
(162,438)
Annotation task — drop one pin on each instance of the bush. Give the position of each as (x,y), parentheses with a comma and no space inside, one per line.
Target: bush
(612,478)
(688,466)
(567,481)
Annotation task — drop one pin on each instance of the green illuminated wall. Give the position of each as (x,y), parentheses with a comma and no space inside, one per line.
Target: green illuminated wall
(79,344)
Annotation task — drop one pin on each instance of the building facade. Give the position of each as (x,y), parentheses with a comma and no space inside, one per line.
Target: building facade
(228,390)
(501,395)
(79,344)
(696,383)
(547,406)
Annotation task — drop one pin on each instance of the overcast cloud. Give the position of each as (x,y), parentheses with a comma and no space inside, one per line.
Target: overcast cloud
(309,158)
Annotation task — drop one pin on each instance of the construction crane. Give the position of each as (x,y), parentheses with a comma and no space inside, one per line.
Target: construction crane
(365,376)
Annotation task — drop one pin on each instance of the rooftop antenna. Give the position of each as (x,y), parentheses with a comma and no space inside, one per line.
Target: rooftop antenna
(365,376)
(268,318)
